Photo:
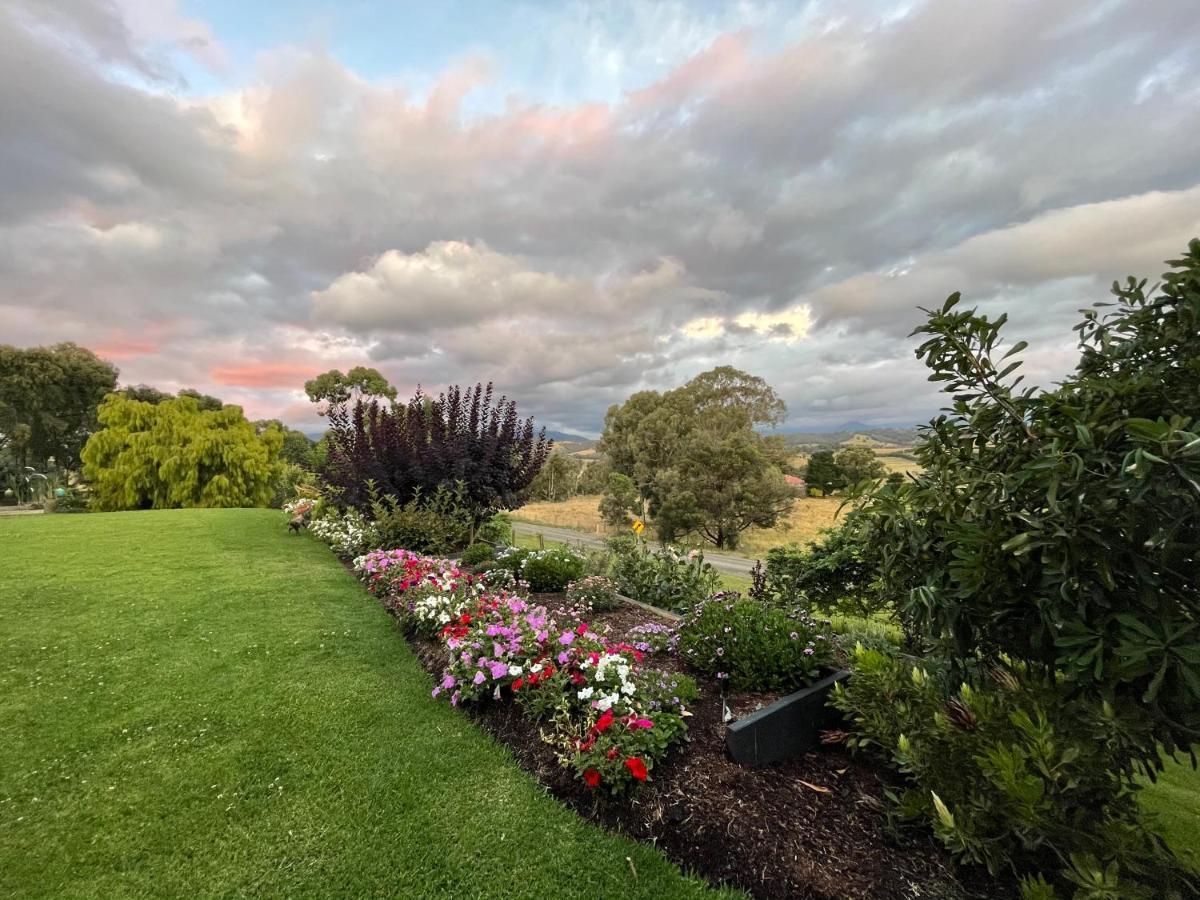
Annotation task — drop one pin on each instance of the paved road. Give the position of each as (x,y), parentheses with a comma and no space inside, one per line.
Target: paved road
(726,562)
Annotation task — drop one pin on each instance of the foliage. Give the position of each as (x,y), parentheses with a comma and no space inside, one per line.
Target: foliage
(497,530)
(545,571)
(173,454)
(751,646)
(822,473)
(289,479)
(720,484)
(476,554)
(858,464)
(437,523)
(596,591)
(336,388)
(461,436)
(666,577)
(48,402)
(1062,528)
(694,457)
(72,501)
(1052,542)
(1005,772)
(830,576)
(620,501)
(558,479)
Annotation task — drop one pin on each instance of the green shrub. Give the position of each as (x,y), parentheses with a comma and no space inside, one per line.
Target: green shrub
(831,576)
(70,502)
(751,646)
(496,531)
(1062,527)
(545,571)
(596,591)
(476,554)
(1055,532)
(1005,771)
(667,578)
(438,524)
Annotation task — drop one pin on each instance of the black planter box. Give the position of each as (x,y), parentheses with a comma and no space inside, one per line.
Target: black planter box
(788,727)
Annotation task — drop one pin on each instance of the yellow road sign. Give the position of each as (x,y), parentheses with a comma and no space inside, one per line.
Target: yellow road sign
(638,526)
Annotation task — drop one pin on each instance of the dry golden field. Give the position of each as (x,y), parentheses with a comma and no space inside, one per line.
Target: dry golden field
(810,515)
(889,456)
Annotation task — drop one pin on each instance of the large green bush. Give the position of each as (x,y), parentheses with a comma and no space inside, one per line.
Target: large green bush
(1057,531)
(1006,773)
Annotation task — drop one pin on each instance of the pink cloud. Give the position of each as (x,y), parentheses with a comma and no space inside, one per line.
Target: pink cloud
(125,348)
(264,374)
(726,60)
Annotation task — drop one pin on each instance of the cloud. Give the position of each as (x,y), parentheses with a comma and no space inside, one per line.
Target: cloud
(264,374)
(772,188)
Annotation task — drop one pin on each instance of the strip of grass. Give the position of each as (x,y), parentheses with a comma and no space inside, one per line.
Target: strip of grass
(194,703)
(1174,802)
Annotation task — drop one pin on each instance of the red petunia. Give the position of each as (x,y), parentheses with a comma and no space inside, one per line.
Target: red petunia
(636,768)
(603,723)
(582,629)
(517,684)
(592,777)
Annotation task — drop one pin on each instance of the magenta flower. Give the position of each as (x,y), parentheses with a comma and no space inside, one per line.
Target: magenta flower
(499,670)
(480,678)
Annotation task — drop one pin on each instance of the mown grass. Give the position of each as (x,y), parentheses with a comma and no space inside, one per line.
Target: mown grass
(194,703)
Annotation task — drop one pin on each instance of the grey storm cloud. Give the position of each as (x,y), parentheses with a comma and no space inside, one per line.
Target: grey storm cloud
(782,200)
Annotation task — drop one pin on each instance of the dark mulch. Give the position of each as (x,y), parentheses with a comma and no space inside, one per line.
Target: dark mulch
(807,828)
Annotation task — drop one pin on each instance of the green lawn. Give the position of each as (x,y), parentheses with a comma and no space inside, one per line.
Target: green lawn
(195,703)
(1175,803)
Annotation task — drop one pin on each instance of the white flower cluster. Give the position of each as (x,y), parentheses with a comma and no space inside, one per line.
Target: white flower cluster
(611,682)
(448,599)
(349,534)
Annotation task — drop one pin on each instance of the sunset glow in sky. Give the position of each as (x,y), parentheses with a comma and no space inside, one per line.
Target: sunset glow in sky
(580,200)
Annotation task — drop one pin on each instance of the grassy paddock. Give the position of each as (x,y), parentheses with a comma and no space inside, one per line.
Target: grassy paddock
(194,703)
(809,517)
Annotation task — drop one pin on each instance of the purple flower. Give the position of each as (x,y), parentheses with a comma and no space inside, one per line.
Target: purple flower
(808,651)
(448,682)
(480,678)
(563,657)
(566,638)
(499,670)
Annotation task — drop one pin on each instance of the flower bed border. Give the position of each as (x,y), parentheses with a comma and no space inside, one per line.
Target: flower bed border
(789,727)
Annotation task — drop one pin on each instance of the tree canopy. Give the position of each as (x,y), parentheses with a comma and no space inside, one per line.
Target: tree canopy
(337,388)
(176,454)
(696,459)
(48,400)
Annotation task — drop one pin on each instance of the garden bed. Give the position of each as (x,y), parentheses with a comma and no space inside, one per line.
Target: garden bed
(809,827)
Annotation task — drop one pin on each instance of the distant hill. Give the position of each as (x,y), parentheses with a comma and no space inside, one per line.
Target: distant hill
(855,434)
(565,437)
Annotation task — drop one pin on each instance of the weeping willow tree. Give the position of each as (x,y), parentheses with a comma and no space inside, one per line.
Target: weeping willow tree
(175,454)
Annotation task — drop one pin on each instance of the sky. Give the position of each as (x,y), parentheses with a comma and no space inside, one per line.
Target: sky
(577,201)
